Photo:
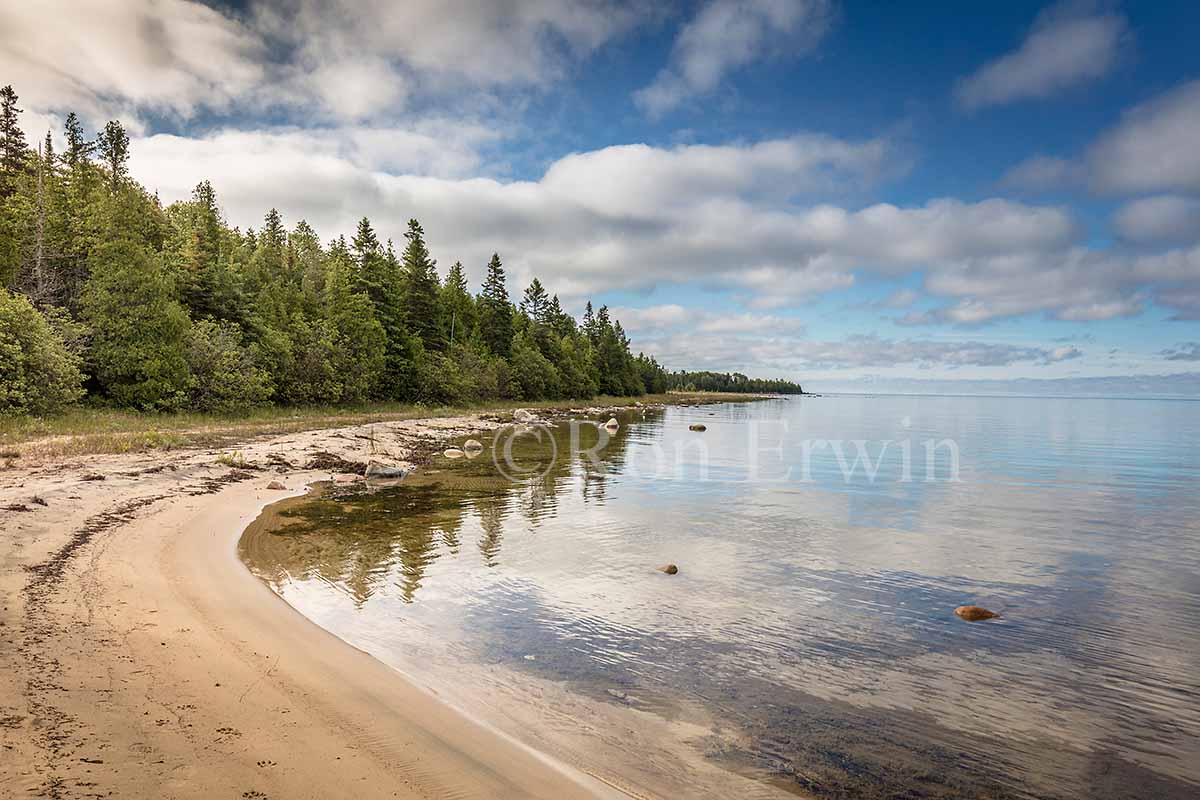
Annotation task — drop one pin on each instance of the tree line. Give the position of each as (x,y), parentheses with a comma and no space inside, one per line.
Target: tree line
(111,296)
(728,382)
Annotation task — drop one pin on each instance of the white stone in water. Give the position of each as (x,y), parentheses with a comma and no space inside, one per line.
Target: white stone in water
(454,452)
(612,424)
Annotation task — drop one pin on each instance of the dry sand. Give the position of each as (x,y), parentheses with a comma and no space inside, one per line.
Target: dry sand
(139,658)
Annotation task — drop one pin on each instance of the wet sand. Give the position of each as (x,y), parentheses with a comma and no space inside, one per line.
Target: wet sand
(138,656)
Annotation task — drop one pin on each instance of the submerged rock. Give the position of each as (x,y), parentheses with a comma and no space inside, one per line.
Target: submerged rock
(472,448)
(453,452)
(377,470)
(670,569)
(698,427)
(974,613)
(276,486)
(612,424)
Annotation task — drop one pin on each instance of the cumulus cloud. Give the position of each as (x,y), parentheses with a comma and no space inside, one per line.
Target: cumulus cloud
(341,60)
(1041,173)
(1162,218)
(635,217)
(794,354)
(1153,148)
(1070,44)
(651,319)
(104,58)
(728,34)
(1185,351)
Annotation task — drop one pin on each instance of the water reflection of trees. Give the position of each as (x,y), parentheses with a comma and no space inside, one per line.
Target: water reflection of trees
(394,534)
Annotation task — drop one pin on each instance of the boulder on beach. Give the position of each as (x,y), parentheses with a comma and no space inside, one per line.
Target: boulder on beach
(377,470)
(670,569)
(276,485)
(521,415)
(974,613)
(697,427)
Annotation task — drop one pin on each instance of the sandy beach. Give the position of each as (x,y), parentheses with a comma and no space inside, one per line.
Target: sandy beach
(139,658)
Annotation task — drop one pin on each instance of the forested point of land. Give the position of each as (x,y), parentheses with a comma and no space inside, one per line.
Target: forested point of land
(112,298)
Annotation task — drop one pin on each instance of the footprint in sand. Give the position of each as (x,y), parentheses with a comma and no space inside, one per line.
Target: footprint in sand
(231,733)
(266,763)
(252,795)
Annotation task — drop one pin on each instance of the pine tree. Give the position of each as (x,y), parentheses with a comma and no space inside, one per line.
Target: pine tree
(421,289)
(114,150)
(495,312)
(14,154)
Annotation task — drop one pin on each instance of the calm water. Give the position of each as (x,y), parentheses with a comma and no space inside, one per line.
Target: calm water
(808,643)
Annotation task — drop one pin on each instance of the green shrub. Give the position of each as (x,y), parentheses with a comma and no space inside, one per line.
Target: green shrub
(38,374)
(226,376)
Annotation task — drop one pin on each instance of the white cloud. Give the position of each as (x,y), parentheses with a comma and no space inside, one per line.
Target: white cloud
(794,354)
(1070,44)
(1153,148)
(1161,218)
(632,218)
(901,298)
(728,34)
(330,60)
(104,58)
(1042,172)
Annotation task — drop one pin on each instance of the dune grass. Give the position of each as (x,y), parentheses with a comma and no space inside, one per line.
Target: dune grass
(89,431)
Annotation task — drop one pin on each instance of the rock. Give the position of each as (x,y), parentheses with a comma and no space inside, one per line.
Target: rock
(377,470)
(472,448)
(521,415)
(612,424)
(974,613)
(670,569)
(277,486)
(697,427)
(453,452)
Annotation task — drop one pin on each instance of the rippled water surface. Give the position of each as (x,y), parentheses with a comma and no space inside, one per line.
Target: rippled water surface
(808,643)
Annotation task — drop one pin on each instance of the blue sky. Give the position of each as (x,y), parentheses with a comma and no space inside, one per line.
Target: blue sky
(839,192)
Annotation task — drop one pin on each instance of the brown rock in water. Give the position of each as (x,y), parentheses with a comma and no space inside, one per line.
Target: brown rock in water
(670,569)
(276,485)
(974,613)
(697,428)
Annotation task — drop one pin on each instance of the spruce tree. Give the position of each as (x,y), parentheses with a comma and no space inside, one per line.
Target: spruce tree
(114,150)
(14,154)
(495,312)
(421,289)
(458,307)
(79,149)
(536,302)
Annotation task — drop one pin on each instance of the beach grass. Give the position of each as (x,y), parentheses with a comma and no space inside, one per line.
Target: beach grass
(94,430)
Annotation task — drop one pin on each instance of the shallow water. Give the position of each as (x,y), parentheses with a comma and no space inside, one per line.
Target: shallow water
(808,642)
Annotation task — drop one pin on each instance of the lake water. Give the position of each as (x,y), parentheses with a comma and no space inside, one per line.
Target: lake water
(808,643)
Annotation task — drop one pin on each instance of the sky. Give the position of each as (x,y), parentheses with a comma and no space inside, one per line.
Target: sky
(842,193)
